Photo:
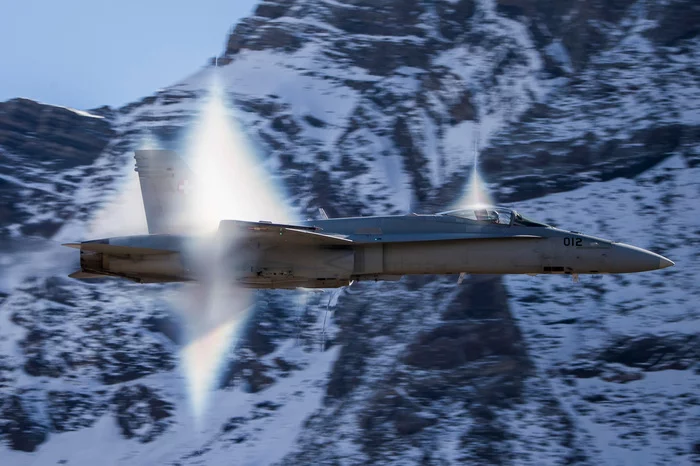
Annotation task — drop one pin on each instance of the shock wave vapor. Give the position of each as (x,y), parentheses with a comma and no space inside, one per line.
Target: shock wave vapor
(333,252)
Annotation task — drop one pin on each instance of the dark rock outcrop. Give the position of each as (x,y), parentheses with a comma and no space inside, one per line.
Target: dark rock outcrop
(654,352)
(118,364)
(61,137)
(473,356)
(141,412)
(70,411)
(20,425)
(34,138)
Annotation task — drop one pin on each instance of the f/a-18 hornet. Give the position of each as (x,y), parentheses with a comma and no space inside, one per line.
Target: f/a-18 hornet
(333,252)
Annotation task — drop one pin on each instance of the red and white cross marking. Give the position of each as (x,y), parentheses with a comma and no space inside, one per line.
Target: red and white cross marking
(184,186)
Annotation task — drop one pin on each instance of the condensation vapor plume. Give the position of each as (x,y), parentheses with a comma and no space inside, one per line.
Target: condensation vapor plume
(214,311)
(124,214)
(229,183)
(26,257)
(477,193)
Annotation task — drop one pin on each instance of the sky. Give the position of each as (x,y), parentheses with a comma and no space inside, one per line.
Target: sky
(86,53)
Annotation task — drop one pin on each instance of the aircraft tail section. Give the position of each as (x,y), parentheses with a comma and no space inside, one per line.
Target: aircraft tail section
(165,182)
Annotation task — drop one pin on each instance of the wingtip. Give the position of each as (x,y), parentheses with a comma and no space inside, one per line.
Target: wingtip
(72,245)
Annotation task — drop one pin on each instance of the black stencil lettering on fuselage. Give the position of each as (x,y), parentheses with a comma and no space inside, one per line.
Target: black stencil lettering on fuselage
(568,241)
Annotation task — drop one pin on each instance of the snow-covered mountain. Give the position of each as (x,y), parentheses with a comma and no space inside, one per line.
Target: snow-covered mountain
(589,115)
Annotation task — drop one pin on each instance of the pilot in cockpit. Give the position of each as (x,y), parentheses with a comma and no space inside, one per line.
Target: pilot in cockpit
(484,215)
(481,215)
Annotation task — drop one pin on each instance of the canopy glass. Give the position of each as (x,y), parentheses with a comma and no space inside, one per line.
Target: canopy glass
(494,216)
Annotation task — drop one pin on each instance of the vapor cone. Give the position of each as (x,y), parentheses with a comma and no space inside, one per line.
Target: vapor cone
(477,193)
(230,183)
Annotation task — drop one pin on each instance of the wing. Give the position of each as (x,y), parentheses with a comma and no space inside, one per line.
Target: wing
(282,233)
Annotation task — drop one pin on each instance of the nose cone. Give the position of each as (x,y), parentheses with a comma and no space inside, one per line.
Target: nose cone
(663,262)
(627,259)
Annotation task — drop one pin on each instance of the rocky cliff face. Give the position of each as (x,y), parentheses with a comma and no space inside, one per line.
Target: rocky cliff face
(36,140)
(588,115)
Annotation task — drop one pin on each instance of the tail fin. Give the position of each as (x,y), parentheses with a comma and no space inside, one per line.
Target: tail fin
(165,182)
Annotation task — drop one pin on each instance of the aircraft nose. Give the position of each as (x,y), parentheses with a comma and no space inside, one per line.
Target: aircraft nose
(663,262)
(629,258)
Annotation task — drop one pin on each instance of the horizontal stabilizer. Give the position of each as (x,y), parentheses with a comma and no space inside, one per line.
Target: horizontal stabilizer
(79,274)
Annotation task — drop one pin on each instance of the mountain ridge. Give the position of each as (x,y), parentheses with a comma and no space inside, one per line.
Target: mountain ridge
(587,114)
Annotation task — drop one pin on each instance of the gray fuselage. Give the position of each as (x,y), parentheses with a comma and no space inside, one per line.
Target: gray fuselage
(335,252)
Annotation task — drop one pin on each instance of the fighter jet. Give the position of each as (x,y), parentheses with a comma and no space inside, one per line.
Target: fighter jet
(334,252)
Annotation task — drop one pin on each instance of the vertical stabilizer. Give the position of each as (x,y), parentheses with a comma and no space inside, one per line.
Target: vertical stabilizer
(165,183)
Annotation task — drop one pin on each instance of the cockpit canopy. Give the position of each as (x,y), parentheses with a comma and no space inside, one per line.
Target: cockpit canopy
(493,215)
